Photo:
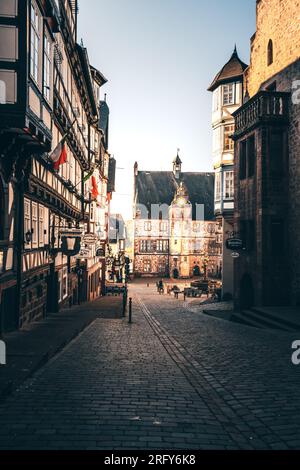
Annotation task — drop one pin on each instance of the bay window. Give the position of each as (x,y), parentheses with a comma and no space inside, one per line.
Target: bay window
(47,68)
(34,42)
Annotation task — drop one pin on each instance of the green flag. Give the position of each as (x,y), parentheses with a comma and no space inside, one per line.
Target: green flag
(87,177)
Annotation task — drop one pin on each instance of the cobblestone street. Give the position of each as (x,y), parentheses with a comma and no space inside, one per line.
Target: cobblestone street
(174,379)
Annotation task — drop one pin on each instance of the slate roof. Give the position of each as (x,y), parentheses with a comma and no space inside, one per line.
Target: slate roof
(159,187)
(233,69)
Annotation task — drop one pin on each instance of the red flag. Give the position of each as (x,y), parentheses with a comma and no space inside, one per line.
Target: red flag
(95,191)
(59,154)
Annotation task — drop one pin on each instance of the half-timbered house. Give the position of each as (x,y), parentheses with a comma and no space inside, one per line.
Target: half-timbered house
(49,97)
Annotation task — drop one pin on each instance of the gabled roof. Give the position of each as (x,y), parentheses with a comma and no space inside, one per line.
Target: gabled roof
(159,187)
(232,70)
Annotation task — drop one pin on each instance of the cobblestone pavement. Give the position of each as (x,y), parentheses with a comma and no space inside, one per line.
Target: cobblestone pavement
(174,379)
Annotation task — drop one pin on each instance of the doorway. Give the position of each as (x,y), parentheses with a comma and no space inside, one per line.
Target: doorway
(175,273)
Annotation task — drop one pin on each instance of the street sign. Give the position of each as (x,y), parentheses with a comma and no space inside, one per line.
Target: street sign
(234,244)
(235,255)
(84,254)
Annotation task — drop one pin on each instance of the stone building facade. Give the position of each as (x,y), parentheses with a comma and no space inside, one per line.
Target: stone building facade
(175,231)
(267,167)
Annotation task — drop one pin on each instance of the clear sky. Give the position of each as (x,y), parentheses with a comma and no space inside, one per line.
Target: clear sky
(159,57)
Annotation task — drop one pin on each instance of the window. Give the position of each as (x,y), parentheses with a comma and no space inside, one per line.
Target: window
(143,246)
(146,246)
(41,226)
(34,43)
(161,266)
(162,246)
(27,222)
(251,156)
(2,211)
(47,67)
(216,100)
(147,226)
(270,52)
(8,87)
(149,246)
(163,227)
(229,185)
(247,158)
(218,186)
(228,142)
(147,266)
(228,94)
(34,222)
(243,159)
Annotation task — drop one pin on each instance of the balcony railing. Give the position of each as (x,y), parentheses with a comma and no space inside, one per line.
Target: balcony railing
(265,106)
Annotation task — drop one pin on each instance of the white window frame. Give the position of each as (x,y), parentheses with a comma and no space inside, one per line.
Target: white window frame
(228,94)
(41,226)
(27,221)
(35,38)
(34,224)
(228,185)
(218,189)
(47,66)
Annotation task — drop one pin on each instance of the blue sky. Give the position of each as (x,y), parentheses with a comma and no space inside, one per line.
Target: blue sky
(159,57)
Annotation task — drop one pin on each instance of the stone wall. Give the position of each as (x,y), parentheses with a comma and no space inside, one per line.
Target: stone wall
(277,20)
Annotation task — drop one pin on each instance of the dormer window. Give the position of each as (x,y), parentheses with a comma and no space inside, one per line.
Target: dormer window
(270,52)
(228,94)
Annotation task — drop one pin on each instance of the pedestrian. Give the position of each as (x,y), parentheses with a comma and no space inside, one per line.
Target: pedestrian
(161,287)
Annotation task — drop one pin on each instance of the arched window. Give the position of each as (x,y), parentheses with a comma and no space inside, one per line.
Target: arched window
(270,52)
(2,210)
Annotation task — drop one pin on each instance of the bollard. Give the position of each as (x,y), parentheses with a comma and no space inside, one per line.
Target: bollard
(124,302)
(130,310)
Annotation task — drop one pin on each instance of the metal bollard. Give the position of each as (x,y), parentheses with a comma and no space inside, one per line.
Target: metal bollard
(124,303)
(130,310)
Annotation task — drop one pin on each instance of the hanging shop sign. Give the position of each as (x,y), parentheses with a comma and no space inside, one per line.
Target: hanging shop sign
(90,239)
(234,244)
(70,241)
(235,255)
(100,250)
